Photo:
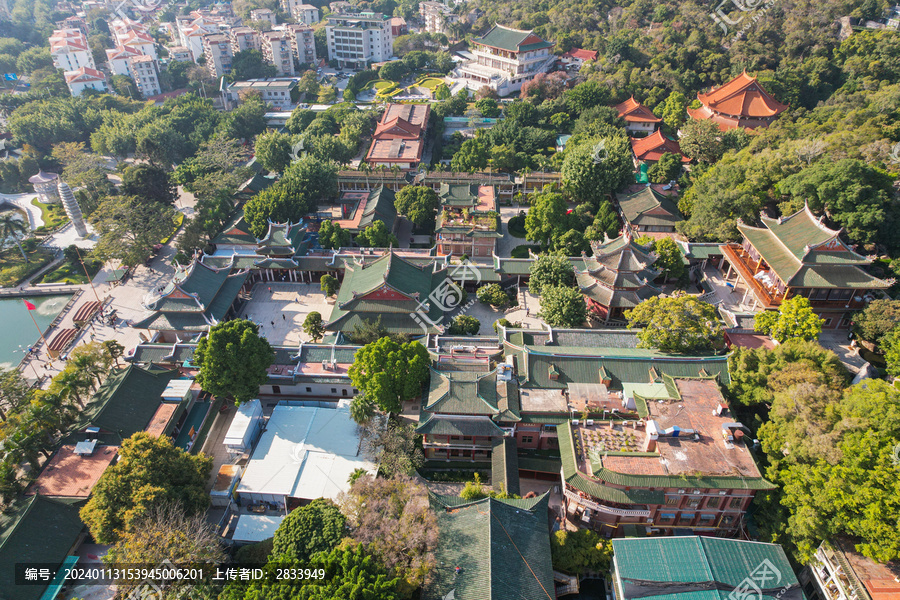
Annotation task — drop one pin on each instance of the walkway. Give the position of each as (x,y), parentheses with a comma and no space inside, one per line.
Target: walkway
(23,202)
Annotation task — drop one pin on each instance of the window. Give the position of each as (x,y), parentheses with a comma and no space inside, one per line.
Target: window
(667,517)
(727,519)
(707,519)
(309,390)
(735,503)
(686,518)
(276,389)
(712,503)
(334,390)
(527,439)
(693,502)
(672,500)
(827,323)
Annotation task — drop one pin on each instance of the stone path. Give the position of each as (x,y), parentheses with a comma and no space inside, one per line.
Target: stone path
(23,201)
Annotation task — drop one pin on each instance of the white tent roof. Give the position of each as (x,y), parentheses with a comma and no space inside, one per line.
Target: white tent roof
(256,528)
(306,452)
(243,417)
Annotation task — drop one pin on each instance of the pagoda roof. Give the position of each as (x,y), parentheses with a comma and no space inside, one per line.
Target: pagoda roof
(653,146)
(803,252)
(282,239)
(513,40)
(634,112)
(463,393)
(236,231)
(379,207)
(742,102)
(648,207)
(620,254)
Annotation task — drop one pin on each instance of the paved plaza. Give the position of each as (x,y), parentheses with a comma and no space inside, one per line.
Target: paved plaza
(281,308)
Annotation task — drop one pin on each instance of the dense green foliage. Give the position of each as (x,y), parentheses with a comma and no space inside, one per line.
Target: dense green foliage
(878,318)
(550,271)
(233,360)
(579,551)
(679,323)
(562,306)
(464,325)
(316,527)
(387,373)
(494,295)
(794,319)
(418,203)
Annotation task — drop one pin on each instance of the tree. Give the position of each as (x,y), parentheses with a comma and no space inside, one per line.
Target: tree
(550,271)
(562,306)
(327,94)
(417,203)
(273,150)
(329,285)
(300,119)
(333,236)
(247,120)
(597,167)
(474,490)
(389,373)
(674,110)
(794,319)
(311,177)
(394,519)
(700,140)
(876,320)
(167,532)
(571,243)
(671,260)
(666,169)
(15,392)
(587,95)
(317,527)
(890,345)
(376,235)
(275,204)
(464,325)
(546,219)
(488,107)
(313,327)
(150,183)
(393,71)
(249,64)
(11,227)
(308,85)
(130,227)
(472,156)
(392,446)
(113,350)
(233,360)
(494,295)
(679,324)
(149,473)
(580,551)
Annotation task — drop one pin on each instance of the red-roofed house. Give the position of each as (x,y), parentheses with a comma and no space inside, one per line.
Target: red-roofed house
(577,57)
(399,137)
(70,51)
(638,118)
(651,148)
(118,59)
(741,102)
(85,78)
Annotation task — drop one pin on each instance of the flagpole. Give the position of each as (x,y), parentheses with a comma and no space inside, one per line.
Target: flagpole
(36,326)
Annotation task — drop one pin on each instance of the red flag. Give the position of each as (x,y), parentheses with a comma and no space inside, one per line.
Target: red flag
(29,305)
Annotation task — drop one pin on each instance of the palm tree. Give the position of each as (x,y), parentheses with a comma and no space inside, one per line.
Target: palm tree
(12,226)
(69,384)
(90,366)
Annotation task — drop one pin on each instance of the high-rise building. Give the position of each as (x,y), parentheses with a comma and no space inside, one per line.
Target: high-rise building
(302,43)
(357,39)
(276,50)
(217,48)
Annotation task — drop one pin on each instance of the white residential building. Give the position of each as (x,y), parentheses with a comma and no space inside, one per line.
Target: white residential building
(357,39)
(217,49)
(276,50)
(264,14)
(180,54)
(85,78)
(244,38)
(303,44)
(145,73)
(276,92)
(191,31)
(117,59)
(437,16)
(139,40)
(69,50)
(505,59)
(305,13)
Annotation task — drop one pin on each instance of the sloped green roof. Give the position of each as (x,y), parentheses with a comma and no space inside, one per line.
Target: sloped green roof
(236,231)
(722,563)
(636,206)
(505,465)
(506,38)
(502,548)
(450,425)
(379,207)
(459,392)
(282,239)
(126,401)
(36,530)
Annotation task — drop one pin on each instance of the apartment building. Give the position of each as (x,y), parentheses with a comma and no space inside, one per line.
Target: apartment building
(138,39)
(276,92)
(244,38)
(276,50)
(838,572)
(145,73)
(180,54)
(303,44)
(305,13)
(69,50)
(357,39)
(263,14)
(85,78)
(217,48)
(437,16)
(117,59)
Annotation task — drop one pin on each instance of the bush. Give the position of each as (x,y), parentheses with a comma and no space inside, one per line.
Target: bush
(494,295)
(506,323)
(516,226)
(464,325)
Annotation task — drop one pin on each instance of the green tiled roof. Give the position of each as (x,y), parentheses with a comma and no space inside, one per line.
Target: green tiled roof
(722,563)
(236,231)
(379,207)
(449,425)
(833,276)
(701,251)
(544,464)
(511,39)
(594,488)
(502,548)
(505,465)
(460,393)
(282,239)
(36,530)
(635,207)
(126,401)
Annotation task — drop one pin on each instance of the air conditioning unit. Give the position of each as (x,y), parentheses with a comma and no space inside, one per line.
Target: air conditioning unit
(575,421)
(589,422)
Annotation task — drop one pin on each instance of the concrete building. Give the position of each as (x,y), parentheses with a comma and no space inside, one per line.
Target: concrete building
(467,222)
(145,73)
(276,92)
(357,39)
(505,59)
(307,451)
(244,38)
(217,49)
(437,16)
(305,13)
(839,572)
(85,78)
(118,59)
(276,50)
(263,14)
(576,57)
(180,54)
(138,39)
(303,44)
(69,50)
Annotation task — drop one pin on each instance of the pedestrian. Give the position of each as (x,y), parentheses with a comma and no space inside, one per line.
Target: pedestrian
(270,290)
(283,318)
(273,323)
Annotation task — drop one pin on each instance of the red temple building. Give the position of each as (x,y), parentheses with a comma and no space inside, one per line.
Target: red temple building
(742,102)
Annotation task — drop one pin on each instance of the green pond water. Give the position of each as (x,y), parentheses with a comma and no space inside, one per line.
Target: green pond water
(17,331)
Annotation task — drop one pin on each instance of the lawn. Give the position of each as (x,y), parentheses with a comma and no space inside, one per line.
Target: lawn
(179,219)
(53,215)
(432,83)
(71,273)
(14,270)
(378,85)
(516,226)
(522,251)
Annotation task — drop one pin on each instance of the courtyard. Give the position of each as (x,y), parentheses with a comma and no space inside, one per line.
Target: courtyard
(280,309)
